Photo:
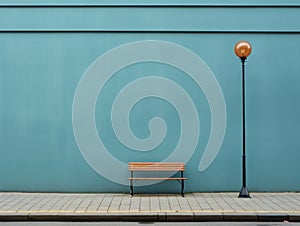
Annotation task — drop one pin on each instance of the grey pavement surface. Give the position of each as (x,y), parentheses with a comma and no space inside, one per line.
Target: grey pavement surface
(279,207)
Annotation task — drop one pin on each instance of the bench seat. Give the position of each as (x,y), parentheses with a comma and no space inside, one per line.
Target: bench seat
(156,167)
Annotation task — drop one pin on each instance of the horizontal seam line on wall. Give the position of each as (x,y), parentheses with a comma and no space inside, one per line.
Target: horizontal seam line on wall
(153,6)
(145,31)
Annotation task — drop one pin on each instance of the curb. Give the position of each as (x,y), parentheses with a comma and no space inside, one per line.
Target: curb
(152,217)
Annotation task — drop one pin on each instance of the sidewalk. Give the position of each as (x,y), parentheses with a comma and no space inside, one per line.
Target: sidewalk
(149,207)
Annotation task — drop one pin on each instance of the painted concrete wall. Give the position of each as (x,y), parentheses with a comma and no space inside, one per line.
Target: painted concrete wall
(87,86)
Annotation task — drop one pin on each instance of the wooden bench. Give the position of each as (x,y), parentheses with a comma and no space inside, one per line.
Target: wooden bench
(156,167)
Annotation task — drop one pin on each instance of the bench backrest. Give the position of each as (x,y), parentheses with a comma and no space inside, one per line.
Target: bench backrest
(156,166)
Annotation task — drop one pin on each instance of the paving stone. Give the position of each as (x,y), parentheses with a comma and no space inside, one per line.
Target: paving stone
(124,207)
(102,208)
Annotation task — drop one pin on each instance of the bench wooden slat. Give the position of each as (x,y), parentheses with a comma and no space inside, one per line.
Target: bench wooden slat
(156,166)
(156,169)
(157,178)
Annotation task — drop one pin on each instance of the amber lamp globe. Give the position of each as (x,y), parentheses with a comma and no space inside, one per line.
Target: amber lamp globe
(242,49)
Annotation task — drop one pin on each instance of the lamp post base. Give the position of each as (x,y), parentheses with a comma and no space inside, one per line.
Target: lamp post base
(244,193)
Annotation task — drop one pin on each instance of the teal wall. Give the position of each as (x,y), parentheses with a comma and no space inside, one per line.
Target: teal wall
(64,63)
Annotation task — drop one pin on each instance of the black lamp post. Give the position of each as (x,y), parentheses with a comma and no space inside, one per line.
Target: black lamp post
(243,49)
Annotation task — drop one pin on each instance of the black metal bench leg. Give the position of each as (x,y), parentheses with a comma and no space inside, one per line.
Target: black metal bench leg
(131,185)
(182,185)
(131,188)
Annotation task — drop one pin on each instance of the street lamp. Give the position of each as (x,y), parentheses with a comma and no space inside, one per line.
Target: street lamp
(243,49)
